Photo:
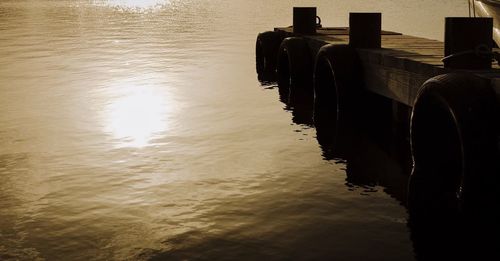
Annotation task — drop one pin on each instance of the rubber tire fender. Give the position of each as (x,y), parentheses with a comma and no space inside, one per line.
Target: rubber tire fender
(294,63)
(453,132)
(266,52)
(337,82)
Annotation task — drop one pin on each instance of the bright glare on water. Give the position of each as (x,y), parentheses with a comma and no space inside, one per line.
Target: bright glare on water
(138,130)
(137,5)
(137,113)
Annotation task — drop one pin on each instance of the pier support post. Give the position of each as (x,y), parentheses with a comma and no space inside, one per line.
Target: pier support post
(468,43)
(304,20)
(365,30)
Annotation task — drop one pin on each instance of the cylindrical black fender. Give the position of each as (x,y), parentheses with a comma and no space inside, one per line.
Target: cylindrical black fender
(295,63)
(337,85)
(453,141)
(266,53)
(337,81)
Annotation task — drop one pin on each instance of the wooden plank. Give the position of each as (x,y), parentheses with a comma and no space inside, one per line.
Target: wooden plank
(399,85)
(401,66)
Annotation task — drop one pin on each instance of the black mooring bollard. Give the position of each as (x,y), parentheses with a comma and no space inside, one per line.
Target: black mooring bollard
(468,42)
(304,20)
(365,30)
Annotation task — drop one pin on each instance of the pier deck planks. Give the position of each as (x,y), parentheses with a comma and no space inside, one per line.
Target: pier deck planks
(401,66)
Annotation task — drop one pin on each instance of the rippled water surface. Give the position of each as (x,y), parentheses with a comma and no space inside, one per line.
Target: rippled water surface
(138,130)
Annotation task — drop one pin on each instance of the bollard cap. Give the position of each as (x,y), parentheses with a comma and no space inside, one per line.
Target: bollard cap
(365,30)
(304,20)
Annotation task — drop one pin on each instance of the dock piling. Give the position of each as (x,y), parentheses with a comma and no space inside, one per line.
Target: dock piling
(365,30)
(304,20)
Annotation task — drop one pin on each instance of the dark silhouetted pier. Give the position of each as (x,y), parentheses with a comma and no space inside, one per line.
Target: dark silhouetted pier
(400,67)
(444,95)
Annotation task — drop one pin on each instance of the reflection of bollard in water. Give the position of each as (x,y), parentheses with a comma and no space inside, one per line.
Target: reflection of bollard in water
(300,101)
(294,71)
(334,139)
(368,163)
(284,93)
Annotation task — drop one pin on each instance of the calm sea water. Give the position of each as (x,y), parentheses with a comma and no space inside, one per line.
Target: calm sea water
(138,130)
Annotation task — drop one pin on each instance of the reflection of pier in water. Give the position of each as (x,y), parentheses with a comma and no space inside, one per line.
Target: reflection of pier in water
(376,152)
(372,158)
(366,83)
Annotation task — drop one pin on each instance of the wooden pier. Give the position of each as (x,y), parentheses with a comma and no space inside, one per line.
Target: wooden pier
(400,67)
(447,94)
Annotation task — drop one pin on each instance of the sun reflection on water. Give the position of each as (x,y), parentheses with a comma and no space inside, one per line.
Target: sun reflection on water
(131,4)
(137,115)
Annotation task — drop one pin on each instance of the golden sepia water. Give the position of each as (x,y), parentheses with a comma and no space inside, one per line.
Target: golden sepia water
(138,130)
